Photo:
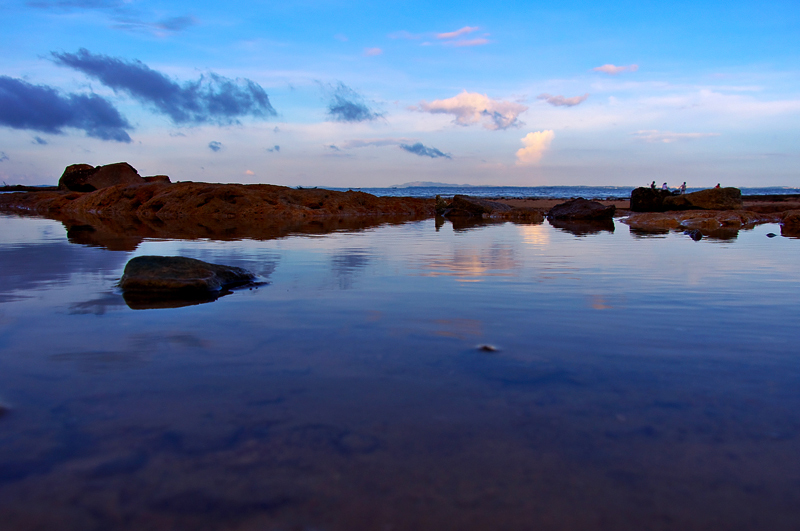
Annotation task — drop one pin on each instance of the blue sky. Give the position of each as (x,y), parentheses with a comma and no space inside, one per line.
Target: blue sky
(357,94)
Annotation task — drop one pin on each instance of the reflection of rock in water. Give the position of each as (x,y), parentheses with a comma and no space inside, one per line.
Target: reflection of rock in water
(583,227)
(113,241)
(155,301)
(639,232)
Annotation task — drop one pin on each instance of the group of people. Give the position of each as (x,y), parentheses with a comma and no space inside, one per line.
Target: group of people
(681,188)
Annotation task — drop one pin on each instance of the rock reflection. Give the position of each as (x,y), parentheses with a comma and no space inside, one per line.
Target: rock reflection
(126,233)
(583,227)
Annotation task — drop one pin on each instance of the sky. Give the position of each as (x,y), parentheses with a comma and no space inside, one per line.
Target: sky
(372,94)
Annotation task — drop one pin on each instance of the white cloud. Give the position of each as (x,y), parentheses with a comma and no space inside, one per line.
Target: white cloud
(471,42)
(458,33)
(561,101)
(536,144)
(471,108)
(614,70)
(249,172)
(667,137)
(372,52)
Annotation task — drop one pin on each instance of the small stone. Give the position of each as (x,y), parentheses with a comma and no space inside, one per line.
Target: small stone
(695,234)
(488,348)
(771,235)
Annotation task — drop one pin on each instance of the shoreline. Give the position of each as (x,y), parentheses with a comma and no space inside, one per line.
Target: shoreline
(229,211)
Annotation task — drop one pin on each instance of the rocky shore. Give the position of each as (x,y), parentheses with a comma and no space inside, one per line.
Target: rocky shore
(112,206)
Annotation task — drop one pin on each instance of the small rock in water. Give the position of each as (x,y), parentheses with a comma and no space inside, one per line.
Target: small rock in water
(488,348)
(771,235)
(695,234)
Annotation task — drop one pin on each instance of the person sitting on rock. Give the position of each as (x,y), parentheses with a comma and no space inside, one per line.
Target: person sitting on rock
(717,186)
(683,188)
(653,185)
(664,186)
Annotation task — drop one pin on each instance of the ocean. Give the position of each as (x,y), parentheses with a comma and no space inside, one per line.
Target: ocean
(540,192)
(410,376)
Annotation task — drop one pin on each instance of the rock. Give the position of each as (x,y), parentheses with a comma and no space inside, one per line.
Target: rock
(582,209)
(470,207)
(695,234)
(771,235)
(712,199)
(176,274)
(790,225)
(85,178)
(648,199)
(157,179)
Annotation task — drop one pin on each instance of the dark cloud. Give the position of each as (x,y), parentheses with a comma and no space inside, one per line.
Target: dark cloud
(347,105)
(42,108)
(333,147)
(423,151)
(274,149)
(123,13)
(39,140)
(211,99)
(77,4)
(173,24)
(561,101)
(3,156)
(214,146)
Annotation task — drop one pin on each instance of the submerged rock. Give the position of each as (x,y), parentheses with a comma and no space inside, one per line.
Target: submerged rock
(176,274)
(86,178)
(581,209)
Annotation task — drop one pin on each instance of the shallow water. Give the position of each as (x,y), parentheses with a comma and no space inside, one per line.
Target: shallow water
(638,382)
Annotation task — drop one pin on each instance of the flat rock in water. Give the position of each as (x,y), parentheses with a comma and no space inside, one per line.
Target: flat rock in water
(179,274)
(712,199)
(465,206)
(581,209)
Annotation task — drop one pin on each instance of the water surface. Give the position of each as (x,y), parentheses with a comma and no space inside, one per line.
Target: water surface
(634,382)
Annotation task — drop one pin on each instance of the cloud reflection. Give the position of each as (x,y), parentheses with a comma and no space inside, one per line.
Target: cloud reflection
(471,265)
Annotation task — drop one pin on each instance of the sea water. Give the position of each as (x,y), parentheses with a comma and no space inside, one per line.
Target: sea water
(542,192)
(411,376)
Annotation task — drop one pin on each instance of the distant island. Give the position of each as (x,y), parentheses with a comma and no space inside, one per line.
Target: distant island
(430,184)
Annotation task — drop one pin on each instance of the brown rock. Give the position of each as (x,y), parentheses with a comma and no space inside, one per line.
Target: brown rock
(179,274)
(581,209)
(85,178)
(644,199)
(712,199)
(790,225)
(157,179)
(465,206)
